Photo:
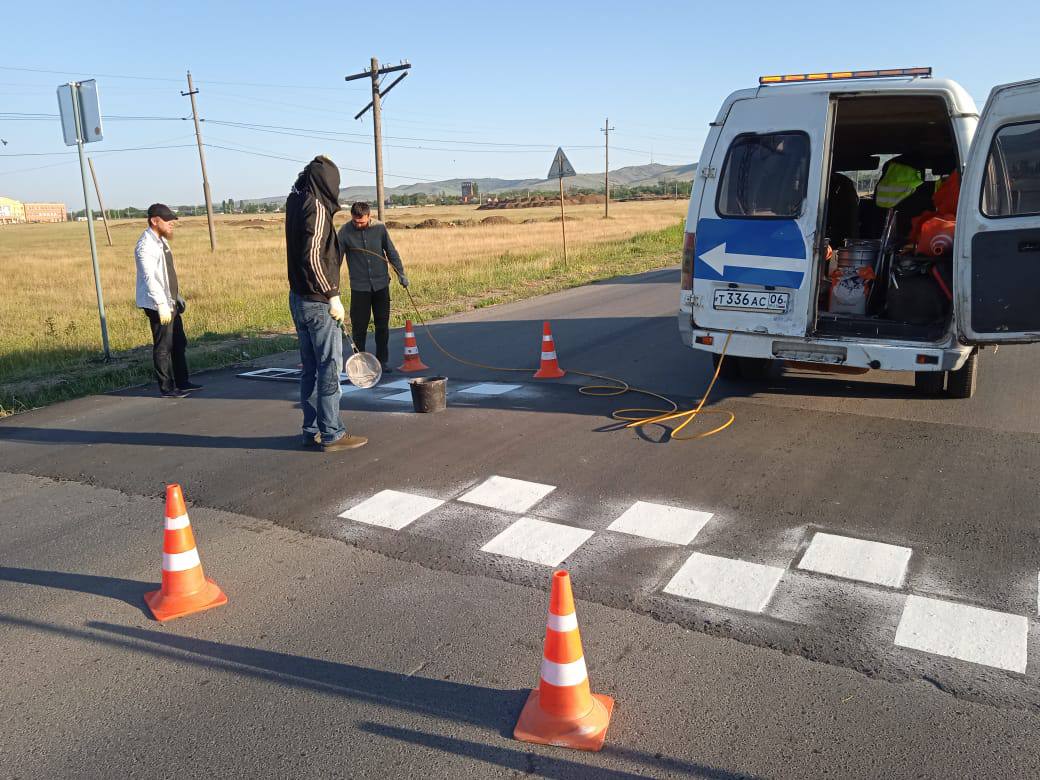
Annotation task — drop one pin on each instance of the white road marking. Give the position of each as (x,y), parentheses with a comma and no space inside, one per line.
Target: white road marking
(345,388)
(857,559)
(490,388)
(981,636)
(663,523)
(392,509)
(511,495)
(400,384)
(538,541)
(726,582)
(405,397)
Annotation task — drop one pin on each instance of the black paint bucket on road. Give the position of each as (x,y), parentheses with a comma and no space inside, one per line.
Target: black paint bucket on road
(429,393)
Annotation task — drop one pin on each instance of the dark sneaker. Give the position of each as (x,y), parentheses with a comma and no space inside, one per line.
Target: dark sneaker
(190,386)
(175,394)
(346,442)
(312,441)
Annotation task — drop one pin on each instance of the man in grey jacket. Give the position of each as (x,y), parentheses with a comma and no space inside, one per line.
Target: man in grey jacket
(158,295)
(368,247)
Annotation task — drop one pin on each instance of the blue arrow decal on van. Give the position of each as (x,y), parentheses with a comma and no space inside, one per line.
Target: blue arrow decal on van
(768,252)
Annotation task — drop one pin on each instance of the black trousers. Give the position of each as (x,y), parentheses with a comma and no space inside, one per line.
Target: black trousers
(377,303)
(168,346)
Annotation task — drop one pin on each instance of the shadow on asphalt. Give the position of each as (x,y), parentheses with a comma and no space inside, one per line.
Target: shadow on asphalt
(490,708)
(147,438)
(130,591)
(543,766)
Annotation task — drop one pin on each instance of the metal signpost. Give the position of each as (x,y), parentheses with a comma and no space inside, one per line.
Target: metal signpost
(81,124)
(561,167)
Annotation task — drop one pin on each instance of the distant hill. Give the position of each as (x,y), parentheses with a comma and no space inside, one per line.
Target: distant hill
(631,176)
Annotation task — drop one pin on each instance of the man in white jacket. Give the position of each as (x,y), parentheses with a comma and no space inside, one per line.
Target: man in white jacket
(158,295)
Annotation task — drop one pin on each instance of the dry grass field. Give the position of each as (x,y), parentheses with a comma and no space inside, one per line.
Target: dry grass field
(49,336)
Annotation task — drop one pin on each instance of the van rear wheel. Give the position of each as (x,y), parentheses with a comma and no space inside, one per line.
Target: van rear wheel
(754,369)
(730,366)
(961,383)
(930,382)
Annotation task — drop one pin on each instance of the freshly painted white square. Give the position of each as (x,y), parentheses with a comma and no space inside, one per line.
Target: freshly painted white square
(663,523)
(538,541)
(392,509)
(399,384)
(490,388)
(401,397)
(511,495)
(726,582)
(345,388)
(981,636)
(857,559)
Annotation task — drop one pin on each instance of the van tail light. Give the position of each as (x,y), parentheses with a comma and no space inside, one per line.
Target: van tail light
(689,243)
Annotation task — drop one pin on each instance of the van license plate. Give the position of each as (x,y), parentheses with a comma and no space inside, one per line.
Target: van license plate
(751,300)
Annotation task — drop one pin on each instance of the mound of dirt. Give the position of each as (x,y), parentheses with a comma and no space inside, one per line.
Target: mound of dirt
(393,224)
(569,219)
(432,222)
(495,220)
(254,227)
(465,222)
(529,221)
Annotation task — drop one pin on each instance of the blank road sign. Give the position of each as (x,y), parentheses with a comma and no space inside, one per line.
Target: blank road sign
(561,166)
(89,112)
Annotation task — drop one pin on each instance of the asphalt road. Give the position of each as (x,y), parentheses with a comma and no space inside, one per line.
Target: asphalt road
(350,647)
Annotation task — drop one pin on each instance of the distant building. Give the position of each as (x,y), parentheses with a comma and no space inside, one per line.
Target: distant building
(45,212)
(469,191)
(11,211)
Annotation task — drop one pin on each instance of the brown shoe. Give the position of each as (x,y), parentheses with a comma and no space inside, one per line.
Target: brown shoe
(346,442)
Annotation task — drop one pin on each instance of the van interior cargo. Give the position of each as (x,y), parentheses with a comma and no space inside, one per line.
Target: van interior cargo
(903,290)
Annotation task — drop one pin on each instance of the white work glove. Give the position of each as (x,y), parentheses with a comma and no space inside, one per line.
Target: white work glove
(403,280)
(336,308)
(165,314)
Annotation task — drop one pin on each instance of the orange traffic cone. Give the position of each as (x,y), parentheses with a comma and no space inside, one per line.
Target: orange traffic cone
(562,711)
(185,589)
(411,351)
(550,368)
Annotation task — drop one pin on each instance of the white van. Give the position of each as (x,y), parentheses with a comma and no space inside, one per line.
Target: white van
(786,180)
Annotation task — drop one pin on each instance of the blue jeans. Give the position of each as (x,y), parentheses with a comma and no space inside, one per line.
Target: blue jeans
(321,352)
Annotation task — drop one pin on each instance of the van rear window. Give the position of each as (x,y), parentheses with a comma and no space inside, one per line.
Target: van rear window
(1011,183)
(764,176)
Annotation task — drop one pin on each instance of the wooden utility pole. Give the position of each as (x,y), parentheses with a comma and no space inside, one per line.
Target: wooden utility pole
(563,224)
(606,168)
(377,117)
(192,92)
(101,203)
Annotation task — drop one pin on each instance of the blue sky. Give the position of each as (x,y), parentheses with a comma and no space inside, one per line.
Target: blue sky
(533,74)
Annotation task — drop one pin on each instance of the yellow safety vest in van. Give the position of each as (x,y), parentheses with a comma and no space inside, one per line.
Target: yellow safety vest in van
(898,183)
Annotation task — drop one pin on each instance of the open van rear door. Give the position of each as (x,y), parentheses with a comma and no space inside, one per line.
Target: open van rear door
(753,267)
(997,242)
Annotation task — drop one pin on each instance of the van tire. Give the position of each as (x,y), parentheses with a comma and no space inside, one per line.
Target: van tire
(930,382)
(730,366)
(961,383)
(755,369)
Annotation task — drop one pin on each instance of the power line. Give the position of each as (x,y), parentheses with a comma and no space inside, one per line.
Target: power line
(259,85)
(98,151)
(296,160)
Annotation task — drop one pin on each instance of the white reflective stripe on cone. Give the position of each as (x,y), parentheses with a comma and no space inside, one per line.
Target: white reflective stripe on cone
(411,350)
(564,674)
(562,622)
(548,356)
(547,338)
(409,334)
(181,561)
(177,523)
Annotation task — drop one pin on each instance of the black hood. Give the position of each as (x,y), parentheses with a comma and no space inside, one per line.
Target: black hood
(321,179)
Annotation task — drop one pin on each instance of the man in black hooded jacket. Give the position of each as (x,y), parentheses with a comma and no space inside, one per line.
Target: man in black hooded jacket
(314,259)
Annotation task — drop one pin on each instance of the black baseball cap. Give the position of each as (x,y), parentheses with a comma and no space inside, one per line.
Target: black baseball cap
(162,211)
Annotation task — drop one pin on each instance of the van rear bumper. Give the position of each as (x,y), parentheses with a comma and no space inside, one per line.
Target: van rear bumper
(835,352)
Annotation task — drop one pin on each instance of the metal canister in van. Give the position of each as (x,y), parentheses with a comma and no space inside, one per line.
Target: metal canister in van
(849,289)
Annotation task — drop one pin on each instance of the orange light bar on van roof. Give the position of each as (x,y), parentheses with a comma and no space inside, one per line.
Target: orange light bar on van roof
(842,75)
